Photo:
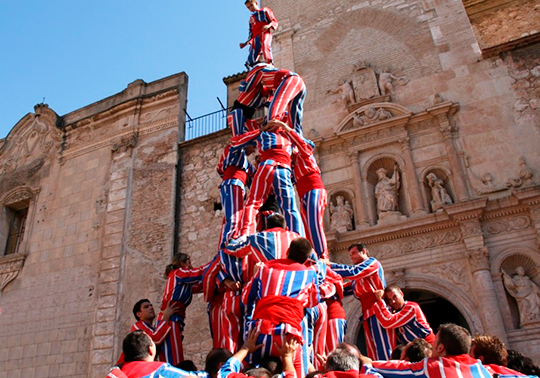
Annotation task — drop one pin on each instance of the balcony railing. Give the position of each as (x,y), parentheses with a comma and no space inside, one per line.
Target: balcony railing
(206,124)
(211,123)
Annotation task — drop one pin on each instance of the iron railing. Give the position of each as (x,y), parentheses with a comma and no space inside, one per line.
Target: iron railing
(206,124)
(211,123)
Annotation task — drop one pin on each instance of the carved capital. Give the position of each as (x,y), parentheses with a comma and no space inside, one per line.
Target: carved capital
(354,156)
(478,258)
(405,143)
(535,214)
(10,267)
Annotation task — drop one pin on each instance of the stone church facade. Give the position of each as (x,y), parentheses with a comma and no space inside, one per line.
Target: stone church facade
(426,118)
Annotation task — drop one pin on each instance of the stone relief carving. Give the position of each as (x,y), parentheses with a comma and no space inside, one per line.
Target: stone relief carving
(527,295)
(478,258)
(345,91)
(398,277)
(387,80)
(10,267)
(525,175)
(341,215)
(386,191)
(485,184)
(370,115)
(498,226)
(470,228)
(452,272)
(439,195)
(25,147)
(126,143)
(417,243)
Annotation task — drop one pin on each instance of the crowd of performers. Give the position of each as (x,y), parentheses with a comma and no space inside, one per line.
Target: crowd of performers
(271,288)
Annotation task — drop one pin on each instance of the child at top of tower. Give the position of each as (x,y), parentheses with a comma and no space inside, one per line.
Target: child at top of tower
(261,24)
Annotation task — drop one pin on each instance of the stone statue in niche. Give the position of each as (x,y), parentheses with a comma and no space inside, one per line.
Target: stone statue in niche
(345,91)
(524,178)
(386,82)
(526,293)
(386,191)
(371,115)
(439,195)
(341,215)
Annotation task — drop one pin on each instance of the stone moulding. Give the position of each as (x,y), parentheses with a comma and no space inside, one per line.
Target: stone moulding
(10,266)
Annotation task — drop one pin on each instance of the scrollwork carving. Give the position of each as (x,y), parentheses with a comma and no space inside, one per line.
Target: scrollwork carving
(498,226)
(452,272)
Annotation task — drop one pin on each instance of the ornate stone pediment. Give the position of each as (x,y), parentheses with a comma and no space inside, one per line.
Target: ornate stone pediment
(30,140)
(373,114)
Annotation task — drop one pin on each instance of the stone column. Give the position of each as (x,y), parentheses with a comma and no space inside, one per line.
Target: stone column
(360,211)
(455,166)
(535,217)
(412,179)
(483,287)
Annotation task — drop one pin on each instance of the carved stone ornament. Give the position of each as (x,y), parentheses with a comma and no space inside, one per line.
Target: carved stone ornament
(524,175)
(10,267)
(369,116)
(398,277)
(386,191)
(387,81)
(359,87)
(341,215)
(471,228)
(31,139)
(416,243)
(125,143)
(527,295)
(478,259)
(498,226)
(439,195)
(452,272)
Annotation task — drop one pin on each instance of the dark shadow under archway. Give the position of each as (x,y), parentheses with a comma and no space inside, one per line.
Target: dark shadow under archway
(437,310)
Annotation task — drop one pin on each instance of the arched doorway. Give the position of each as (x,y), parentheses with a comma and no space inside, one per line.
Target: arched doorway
(437,310)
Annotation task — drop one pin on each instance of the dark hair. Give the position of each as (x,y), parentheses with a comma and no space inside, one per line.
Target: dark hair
(391,287)
(214,359)
(396,353)
(273,364)
(137,307)
(275,220)
(490,348)
(359,246)
(299,250)
(135,346)
(417,350)
(519,362)
(186,365)
(456,339)
(259,373)
(175,264)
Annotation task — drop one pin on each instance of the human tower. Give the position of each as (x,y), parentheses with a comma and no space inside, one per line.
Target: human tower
(271,271)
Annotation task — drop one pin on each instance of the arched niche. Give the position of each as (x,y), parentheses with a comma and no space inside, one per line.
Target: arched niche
(509,260)
(442,174)
(348,199)
(458,305)
(388,162)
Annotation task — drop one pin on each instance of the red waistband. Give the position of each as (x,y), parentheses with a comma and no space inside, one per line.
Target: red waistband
(335,309)
(280,309)
(277,154)
(308,182)
(235,172)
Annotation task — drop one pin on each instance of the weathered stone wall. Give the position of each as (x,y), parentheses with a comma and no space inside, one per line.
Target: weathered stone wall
(200,227)
(99,229)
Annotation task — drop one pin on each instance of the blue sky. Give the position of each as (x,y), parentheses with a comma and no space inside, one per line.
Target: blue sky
(74,53)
